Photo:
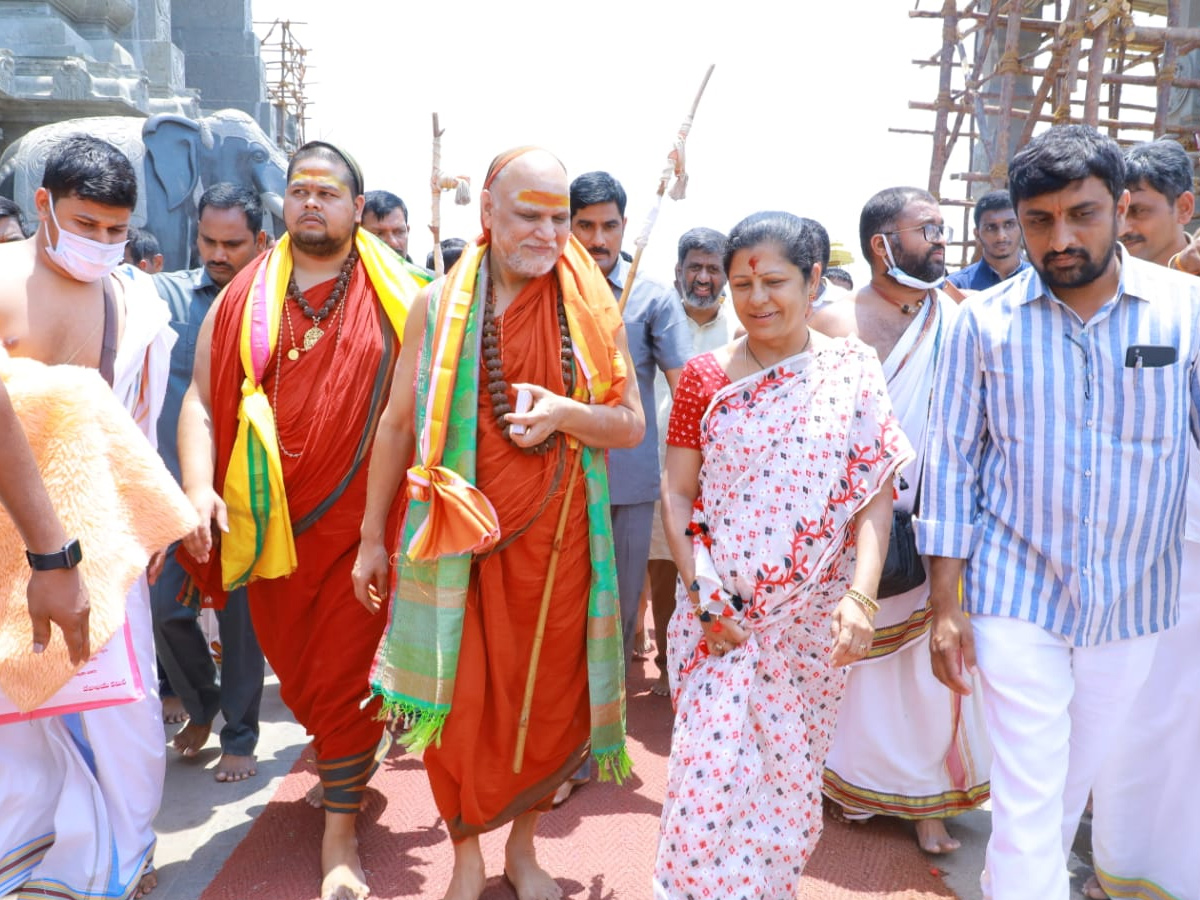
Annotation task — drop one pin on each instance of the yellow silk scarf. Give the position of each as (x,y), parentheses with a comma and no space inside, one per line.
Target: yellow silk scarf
(260,542)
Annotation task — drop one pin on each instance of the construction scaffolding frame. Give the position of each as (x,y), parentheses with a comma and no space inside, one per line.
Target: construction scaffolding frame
(1006,67)
(286,62)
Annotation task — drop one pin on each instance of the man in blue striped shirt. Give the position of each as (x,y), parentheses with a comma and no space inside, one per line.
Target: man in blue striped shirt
(1054,486)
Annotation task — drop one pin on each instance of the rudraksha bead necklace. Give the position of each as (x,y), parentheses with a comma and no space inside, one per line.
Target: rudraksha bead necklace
(315,333)
(498,385)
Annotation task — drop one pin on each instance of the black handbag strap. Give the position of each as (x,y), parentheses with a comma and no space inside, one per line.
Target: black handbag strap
(108,349)
(937,346)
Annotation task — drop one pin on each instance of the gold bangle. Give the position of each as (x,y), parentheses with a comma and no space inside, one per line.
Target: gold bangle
(869,606)
(1173,263)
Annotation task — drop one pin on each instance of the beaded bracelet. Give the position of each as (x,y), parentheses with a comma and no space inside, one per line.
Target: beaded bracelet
(869,606)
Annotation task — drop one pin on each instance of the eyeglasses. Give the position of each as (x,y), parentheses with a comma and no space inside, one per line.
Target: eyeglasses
(932,231)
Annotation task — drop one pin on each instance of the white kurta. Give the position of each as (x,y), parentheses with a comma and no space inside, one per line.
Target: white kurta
(77,822)
(1146,801)
(906,745)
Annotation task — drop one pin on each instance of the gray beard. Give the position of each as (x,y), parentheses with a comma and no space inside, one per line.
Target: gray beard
(694,302)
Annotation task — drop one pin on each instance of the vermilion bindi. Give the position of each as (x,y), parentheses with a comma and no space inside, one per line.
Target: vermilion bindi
(754,264)
(544,198)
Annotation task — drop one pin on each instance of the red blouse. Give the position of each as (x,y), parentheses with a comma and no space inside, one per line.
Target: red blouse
(699,381)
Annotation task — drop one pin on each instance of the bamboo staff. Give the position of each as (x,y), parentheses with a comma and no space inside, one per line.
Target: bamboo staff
(543,613)
(438,182)
(675,168)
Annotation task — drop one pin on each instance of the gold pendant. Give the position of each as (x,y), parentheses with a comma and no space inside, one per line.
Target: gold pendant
(311,337)
(294,354)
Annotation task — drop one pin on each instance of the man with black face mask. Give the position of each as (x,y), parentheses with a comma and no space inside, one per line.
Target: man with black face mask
(890,758)
(91,781)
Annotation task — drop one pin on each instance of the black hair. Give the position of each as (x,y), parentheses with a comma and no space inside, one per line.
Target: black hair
(591,188)
(10,210)
(992,201)
(86,167)
(704,240)
(840,276)
(330,154)
(822,237)
(142,244)
(795,236)
(1061,155)
(381,203)
(225,195)
(881,212)
(452,249)
(1163,165)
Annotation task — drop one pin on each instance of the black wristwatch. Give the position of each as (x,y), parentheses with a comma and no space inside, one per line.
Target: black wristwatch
(66,558)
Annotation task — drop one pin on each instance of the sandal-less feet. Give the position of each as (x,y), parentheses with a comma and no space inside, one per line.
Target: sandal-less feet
(932,837)
(565,789)
(1092,889)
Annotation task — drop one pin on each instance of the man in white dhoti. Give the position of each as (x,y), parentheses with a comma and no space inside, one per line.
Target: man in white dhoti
(1054,488)
(906,745)
(77,821)
(1146,800)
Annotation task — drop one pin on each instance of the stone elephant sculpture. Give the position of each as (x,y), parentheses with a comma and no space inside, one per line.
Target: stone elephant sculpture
(176,158)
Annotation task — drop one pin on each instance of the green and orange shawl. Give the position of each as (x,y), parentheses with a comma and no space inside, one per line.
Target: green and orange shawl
(449,518)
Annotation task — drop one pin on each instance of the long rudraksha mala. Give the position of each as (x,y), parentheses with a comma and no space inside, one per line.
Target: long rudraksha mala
(498,386)
(315,332)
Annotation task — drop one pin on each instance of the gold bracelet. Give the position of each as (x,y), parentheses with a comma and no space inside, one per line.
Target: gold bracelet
(1173,263)
(869,606)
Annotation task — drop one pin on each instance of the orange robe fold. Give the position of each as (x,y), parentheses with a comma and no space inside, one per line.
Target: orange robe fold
(471,771)
(317,637)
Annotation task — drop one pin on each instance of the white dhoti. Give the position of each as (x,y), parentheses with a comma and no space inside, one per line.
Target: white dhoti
(79,792)
(1146,800)
(906,745)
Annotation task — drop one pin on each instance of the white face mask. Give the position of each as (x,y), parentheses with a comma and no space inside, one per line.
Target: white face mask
(82,258)
(903,277)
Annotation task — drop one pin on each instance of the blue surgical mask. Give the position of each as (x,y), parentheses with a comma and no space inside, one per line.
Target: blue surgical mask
(82,258)
(903,277)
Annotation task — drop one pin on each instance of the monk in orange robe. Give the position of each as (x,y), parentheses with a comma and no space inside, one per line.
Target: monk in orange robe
(547,324)
(325,375)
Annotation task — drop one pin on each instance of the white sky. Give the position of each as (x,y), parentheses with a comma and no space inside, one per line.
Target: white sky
(795,117)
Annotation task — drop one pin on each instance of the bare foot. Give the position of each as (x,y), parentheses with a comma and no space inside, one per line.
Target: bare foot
(231,767)
(933,837)
(191,738)
(642,648)
(565,789)
(315,797)
(469,877)
(1093,890)
(343,877)
(148,883)
(661,687)
(173,711)
(531,881)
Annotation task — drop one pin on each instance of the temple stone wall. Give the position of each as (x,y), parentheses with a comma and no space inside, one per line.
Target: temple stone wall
(66,59)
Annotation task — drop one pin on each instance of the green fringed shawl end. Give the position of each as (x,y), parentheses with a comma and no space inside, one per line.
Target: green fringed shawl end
(614,766)
(421,727)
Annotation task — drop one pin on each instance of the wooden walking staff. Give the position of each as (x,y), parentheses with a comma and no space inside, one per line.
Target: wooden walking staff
(460,184)
(677,169)
(543,613)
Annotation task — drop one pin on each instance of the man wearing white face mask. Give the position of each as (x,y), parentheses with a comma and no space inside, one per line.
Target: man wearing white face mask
(905,745)
(78,818)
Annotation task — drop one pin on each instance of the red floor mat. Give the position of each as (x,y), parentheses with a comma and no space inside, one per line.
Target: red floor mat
(599,845)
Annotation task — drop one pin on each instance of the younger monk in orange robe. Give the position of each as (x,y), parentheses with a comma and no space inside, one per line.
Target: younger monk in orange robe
(291,373)
(524,311)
